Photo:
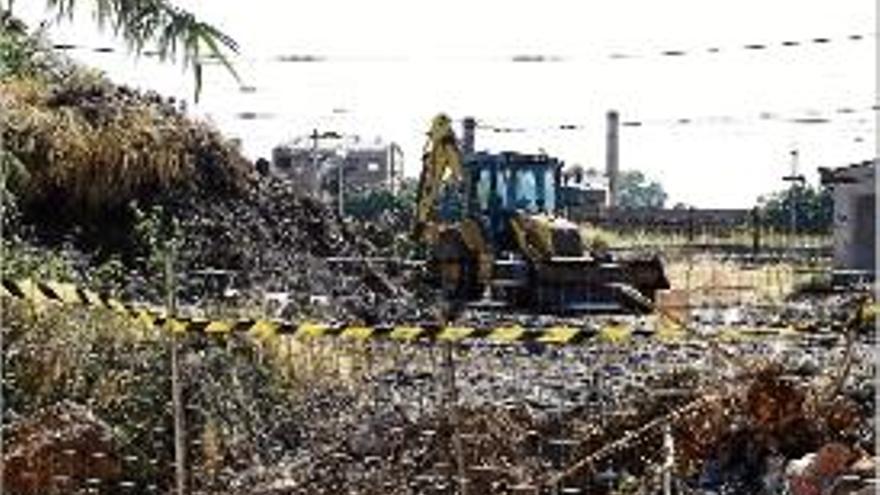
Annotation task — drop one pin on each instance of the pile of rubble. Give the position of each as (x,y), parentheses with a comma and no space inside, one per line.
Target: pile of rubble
(102,164)
(415,418)
(602,421)
(276,241)
(46,450)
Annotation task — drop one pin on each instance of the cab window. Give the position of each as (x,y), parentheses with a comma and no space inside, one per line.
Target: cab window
(526,190)
(549,190)
(502,186)
(483,187)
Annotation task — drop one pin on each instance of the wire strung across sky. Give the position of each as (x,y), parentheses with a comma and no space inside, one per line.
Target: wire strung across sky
(807,117)
(810,117)
(515,58)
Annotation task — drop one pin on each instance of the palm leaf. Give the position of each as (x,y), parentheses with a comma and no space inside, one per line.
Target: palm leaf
(175,33)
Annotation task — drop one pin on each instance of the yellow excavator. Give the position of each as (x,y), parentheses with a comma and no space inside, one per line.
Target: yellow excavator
(492,233)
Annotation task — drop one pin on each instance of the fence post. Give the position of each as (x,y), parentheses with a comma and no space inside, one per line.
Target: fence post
(176,389)
(756,232)
(690,225)
(668,458)
(452,399)
(2,256)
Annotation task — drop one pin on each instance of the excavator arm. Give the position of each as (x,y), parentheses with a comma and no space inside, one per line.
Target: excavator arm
(441,163)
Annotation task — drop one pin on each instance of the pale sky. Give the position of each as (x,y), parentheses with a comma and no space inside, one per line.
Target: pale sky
(392,64)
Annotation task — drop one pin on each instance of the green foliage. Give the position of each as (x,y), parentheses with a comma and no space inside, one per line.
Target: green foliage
(158,235)
(155,228)
(17,51)
(372,205)
(120,371)
(814,209)
(13,176)
(96,359)
(384,219)
(71,136)
(634,191)
(109,276)
(20,260)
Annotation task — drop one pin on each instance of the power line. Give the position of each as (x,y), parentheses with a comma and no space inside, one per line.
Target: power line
(520,58)
(809,117)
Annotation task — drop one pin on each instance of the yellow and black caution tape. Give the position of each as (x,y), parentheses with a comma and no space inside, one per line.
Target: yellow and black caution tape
(615,333)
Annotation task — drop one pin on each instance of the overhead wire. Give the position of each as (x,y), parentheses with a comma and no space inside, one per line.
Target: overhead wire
(521,58)
(806,118)
(809,116)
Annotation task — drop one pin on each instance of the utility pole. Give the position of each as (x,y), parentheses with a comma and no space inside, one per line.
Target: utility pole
(340,192)
(315,136)
(314,172)
(612,157)
(176,387)
(756,232)
(2,257)
(454,417)
(668,458)
(795,179)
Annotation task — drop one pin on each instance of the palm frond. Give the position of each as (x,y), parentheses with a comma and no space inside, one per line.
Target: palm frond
(176,34)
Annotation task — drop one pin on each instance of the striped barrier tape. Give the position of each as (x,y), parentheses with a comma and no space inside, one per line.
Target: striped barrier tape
(610,332)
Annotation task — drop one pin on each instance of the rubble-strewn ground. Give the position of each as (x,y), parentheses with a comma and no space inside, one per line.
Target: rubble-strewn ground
(337,416)
(87,393)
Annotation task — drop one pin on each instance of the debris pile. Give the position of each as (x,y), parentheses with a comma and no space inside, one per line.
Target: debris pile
(134,174)
(766,429)
(47,450)
(88,145)
(273,240)
(777,434)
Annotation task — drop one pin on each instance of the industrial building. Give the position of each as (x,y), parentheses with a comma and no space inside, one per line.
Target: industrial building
(312,164)
(584,193)
(855,236)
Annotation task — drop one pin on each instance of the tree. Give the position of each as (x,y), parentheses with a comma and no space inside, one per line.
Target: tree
(814,209)
(634,191)
(374,204)
(172,32)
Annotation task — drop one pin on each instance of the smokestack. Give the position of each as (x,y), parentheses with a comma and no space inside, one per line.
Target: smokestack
(612,170)
(469,126)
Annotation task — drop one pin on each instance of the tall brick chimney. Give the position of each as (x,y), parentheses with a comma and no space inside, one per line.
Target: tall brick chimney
(469,125)
(612,170)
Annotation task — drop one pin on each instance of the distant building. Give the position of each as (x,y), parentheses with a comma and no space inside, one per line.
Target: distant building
(855,218)
(368,168)
(299,164)
(583,193)
(315,169)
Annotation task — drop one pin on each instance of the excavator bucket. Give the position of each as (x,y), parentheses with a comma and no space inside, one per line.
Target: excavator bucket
(575,285)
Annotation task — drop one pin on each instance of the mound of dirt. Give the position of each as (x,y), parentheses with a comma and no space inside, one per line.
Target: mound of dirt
(121,174)
(46,451)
